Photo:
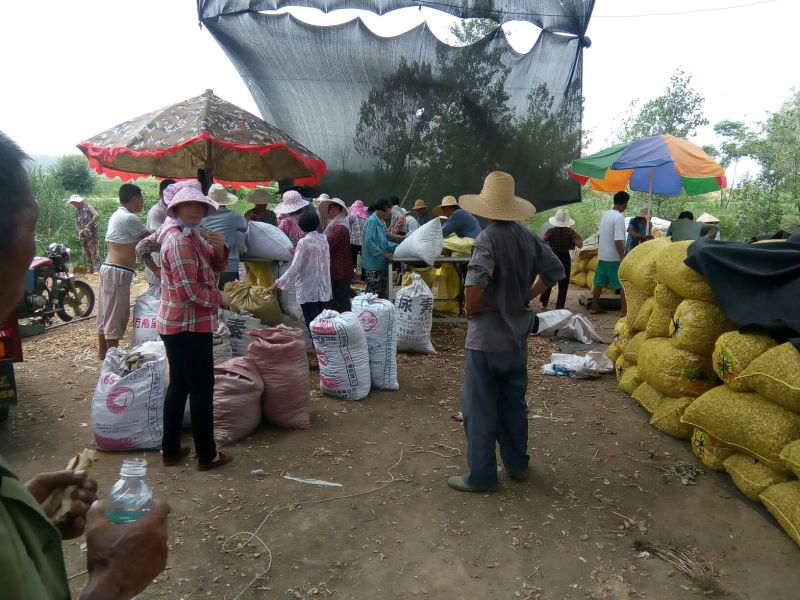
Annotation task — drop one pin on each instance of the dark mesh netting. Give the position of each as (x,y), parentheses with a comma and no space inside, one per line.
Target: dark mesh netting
(410,114)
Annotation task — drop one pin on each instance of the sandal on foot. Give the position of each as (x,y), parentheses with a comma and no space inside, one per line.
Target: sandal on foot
(220,459)
(173,459)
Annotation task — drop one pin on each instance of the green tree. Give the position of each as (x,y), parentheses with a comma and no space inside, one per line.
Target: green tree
(756,208)
(777,148)
(678,111)
(73,172)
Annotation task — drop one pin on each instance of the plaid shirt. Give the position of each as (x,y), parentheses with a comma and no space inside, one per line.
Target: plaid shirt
(189,295)
(356,229)
(560,239)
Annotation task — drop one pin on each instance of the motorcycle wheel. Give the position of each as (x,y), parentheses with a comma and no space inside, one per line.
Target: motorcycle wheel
(77,304)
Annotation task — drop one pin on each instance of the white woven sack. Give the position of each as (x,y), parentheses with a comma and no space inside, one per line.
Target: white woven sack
(238,326)
(145,314)
(343,355)
(423,244)
(222,349)
(414,305)
(128,409)
(379,319)
(267,242)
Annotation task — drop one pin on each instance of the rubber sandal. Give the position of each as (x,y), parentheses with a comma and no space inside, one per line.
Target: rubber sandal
(171,461)
(220,460)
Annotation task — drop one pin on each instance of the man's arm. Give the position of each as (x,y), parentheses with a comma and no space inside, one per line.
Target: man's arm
(473,300)
(620,245)
(539,287)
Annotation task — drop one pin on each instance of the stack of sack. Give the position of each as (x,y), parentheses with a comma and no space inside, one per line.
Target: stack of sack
(583,270)
(735,395)
(662,348)
(586,263)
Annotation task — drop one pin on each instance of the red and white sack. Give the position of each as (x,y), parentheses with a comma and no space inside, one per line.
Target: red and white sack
(280,356)
(238,387)
(145,314)
(128,406)
(414,305)
(343,355)
(379,319)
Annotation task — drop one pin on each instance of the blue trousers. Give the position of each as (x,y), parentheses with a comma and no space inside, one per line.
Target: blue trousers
(494,410)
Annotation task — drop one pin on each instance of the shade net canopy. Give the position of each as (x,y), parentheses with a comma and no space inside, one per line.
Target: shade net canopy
(410,115)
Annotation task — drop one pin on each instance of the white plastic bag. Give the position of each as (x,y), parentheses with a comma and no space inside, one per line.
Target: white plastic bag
(145,313)
(343,355)
(238,326)
(288,298)
(128,407)
(379,319)
(414,305)
(267,242)
(423,244)
(593,364)
(564,324)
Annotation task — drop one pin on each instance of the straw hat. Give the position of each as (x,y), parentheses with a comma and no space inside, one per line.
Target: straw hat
(497,200)
(646,213)
(186,191)
(419,203)
(75,199)
(259,196)
(292,202)
(561,219)
(217,193)
(708,219)
(326,202)
(446,201)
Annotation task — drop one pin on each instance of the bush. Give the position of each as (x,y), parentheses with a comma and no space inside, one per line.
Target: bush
(74,174)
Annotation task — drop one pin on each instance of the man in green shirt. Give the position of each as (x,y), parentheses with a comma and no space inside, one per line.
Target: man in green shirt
(121,559)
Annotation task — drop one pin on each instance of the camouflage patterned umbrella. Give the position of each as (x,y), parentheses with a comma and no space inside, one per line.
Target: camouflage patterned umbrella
(201,137)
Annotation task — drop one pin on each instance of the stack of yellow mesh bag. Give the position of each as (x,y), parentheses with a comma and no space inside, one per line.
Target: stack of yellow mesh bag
(736,396)
(583,269)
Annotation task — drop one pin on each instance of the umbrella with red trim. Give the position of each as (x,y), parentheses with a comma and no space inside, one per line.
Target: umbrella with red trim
(201,137)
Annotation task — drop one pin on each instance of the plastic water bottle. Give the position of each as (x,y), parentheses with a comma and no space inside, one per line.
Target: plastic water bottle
(131,497)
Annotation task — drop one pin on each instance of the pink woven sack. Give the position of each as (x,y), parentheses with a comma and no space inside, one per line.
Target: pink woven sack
(280,356)
(237,399)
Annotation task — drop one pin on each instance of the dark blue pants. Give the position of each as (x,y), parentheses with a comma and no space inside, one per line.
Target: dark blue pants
(494,410)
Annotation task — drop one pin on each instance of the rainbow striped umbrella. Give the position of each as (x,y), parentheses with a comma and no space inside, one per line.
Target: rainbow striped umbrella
(659,164)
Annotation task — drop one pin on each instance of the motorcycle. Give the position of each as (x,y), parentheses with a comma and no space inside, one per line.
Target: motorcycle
(51,290)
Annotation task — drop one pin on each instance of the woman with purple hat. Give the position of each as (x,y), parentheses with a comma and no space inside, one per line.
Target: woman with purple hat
(288,212)
(187,320)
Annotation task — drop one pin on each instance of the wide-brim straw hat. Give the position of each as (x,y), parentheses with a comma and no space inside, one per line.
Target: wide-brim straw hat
(708,219)
(75,199)
(322,197)
(419,203)
(646,213)
(259,196)
(218,194)
(292,202)
(325,203)
(446,201)
(497,200)
(184,192)
(561,219)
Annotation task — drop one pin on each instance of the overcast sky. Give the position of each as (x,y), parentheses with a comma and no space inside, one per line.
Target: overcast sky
(72,68)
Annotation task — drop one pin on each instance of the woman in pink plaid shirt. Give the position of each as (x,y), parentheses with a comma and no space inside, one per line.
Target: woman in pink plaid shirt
(187,320)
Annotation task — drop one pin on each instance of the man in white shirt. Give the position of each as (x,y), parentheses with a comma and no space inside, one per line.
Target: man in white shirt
(611,252)
(124,231)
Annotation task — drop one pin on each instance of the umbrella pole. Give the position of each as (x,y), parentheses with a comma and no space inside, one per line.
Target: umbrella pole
(647,230)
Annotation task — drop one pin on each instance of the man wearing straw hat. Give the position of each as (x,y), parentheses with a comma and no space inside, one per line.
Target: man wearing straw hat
(423,216)
(510,266)
(259,198)
(229,223)
(459,221)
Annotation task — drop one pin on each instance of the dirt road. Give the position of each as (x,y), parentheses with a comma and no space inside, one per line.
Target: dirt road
(603,478)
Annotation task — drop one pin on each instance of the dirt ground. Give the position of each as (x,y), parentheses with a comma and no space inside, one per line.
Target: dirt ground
(602,479)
